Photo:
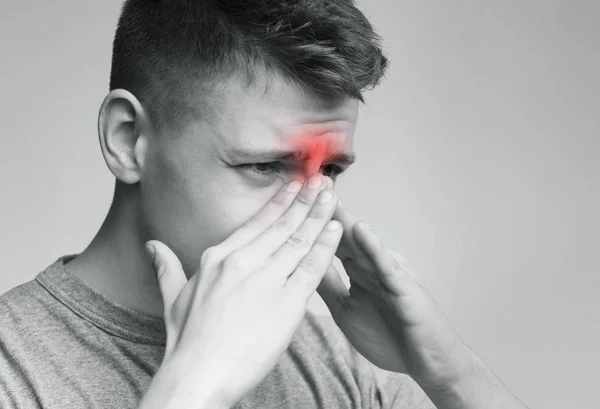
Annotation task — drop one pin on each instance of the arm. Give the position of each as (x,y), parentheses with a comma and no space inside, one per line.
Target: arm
(176,386)
(249,293)
(479,389)
(390,317)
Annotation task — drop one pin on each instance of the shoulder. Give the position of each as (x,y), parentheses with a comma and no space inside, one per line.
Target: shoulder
(23,313)
(20,301)
(36,305)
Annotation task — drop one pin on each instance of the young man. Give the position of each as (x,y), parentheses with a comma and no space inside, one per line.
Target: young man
(193,292)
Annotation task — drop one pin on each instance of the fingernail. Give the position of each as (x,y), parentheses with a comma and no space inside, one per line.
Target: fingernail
(315,181)
(333,225)
(294,186)
(150,249)
(325,196)
(367,226)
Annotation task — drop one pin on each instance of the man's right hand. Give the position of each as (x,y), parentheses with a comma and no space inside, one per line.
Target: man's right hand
(230,323)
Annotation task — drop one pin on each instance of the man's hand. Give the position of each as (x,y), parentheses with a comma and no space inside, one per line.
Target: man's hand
(229,324)
(388,315)
(391,319)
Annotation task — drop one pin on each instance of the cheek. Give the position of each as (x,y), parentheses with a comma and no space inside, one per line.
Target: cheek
(234,210)
(216,218)
(177,201)
(193,209)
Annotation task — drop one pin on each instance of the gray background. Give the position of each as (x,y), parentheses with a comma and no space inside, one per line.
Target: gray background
(478,160)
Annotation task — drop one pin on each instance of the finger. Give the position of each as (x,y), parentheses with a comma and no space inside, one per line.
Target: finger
(298,227)
(298,230)
(169,271)
(306,277)
(298,195)
(393,276)
(289,253)
(261,221)
(330,184)
(409,270)
(332,290)
(360,293)
(366,279)
(348,246)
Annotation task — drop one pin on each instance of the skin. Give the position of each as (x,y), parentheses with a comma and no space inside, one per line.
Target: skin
(189,192)
(185,189)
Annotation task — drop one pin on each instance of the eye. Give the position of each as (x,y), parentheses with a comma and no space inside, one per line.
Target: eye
(269,168)
(265,168)
(334,171)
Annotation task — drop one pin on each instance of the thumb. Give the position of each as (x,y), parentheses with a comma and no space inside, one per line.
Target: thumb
(333,290)
(169,273)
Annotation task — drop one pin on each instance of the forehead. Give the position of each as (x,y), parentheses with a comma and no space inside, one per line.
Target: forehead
(280,117)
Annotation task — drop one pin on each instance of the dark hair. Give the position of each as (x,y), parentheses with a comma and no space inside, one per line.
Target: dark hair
(165,51)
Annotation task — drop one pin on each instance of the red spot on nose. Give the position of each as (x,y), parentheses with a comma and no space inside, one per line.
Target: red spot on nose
(316,150)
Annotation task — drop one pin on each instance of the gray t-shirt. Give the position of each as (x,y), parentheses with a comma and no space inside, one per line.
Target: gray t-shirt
(64,345)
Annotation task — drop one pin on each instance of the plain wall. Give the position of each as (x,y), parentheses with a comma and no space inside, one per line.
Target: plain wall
(478,160)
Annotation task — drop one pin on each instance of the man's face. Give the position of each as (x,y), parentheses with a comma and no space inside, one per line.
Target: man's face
(202,185)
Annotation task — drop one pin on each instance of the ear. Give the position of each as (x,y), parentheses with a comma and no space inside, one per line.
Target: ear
(123,129)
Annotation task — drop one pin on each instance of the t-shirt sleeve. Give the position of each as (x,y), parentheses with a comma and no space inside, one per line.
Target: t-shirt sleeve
(379,388)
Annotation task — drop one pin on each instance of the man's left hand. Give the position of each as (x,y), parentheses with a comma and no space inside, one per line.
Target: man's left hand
(388,315)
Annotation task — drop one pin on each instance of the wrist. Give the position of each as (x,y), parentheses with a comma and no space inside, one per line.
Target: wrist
(177,385)
(478,388)
(461,393)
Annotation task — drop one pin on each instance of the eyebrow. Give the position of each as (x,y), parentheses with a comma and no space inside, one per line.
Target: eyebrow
(269,155)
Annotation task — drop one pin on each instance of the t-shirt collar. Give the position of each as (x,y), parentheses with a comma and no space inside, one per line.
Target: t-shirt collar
(96,308)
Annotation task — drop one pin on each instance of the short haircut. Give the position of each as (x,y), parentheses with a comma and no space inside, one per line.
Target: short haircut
(166,52)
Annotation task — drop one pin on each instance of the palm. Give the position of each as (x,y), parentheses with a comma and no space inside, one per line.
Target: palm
(388,315)
(366,329)
(395,333)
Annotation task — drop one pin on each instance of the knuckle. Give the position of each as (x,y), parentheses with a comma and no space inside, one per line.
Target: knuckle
(304,200)
(280,200)
(161,269)
(235,261)
(416,277)
(209,256)
(282,223)
(259,219)
(298,241)
(327,239)
(399,257)
(322,248)
(309,264)
(317,212)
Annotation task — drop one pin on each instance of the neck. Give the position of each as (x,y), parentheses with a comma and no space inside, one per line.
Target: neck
(115,263)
